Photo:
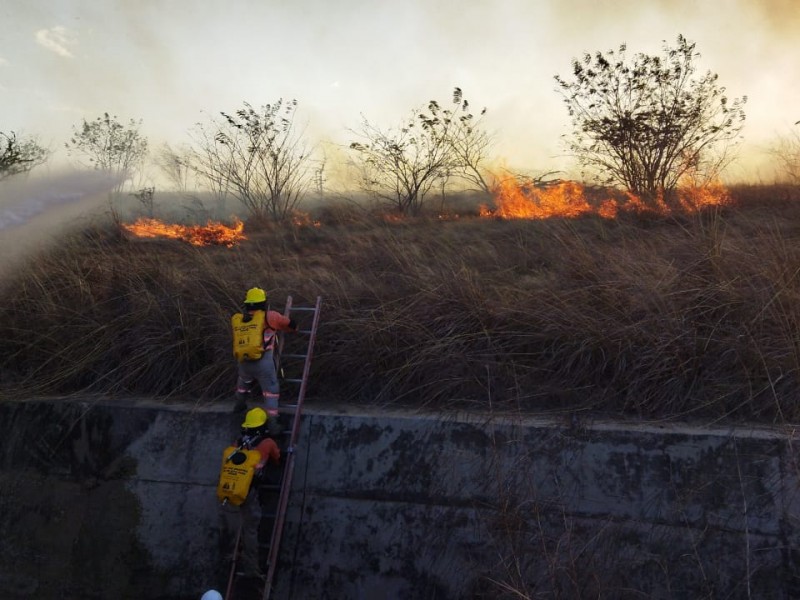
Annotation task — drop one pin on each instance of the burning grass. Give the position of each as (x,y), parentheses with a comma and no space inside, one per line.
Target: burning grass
(568,199)
(644,315)
(212,233)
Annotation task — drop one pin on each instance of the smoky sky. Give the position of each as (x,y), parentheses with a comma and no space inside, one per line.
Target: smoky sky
(174,63)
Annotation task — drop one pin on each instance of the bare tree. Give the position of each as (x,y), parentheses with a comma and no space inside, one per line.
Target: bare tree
(19,156)
(257,156)
(146,197)
(648,122)
(470,143)
(319,175)
(175,166)
(787,154)
(110,146)
(400,166)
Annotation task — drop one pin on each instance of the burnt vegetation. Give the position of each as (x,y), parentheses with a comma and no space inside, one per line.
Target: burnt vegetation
(691,317)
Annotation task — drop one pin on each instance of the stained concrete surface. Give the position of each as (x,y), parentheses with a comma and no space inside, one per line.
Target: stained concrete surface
(116,499)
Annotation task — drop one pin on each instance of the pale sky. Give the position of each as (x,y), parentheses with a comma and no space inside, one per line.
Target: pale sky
(172,63)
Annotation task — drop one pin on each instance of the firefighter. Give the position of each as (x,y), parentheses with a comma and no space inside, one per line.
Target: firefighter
(260,365)
(254,437)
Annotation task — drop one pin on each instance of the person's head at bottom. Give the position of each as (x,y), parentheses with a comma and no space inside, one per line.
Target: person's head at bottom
(255,422)
(211,595)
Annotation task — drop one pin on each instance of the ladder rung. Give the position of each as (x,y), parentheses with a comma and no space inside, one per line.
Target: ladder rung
(294,380)
(306,331)
(293,356)
(303,308)
(249,576)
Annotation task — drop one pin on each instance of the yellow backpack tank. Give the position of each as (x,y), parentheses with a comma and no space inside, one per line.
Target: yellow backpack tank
(248,335)
(236,475)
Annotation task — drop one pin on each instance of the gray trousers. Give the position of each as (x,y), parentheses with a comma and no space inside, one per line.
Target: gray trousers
(261,370)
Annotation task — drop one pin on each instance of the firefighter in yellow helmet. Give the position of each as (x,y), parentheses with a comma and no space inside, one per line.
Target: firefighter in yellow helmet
(254,436)
(259,366)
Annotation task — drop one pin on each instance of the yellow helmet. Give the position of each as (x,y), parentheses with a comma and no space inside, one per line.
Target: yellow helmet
(255,295)
(255,417)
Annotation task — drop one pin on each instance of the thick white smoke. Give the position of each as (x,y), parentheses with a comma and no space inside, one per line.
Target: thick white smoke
(23,199)
(35,211)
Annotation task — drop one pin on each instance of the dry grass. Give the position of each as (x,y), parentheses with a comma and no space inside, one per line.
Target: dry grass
(694,316)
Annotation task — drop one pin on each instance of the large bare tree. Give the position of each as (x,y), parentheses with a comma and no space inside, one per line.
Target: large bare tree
(256,155)
(399,166)
(648,121)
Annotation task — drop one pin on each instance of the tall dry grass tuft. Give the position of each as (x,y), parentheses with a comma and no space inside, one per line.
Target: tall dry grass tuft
(655,317)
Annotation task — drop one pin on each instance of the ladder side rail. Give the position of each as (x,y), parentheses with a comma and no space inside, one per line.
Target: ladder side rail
(234,560)
(306,369)
(288,473)
(277,528)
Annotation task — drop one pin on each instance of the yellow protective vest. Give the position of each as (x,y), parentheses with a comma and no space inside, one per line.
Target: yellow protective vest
(236,475)
(248,335)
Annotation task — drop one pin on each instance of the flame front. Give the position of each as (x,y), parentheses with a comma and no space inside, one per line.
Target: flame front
(211,233)
(304,219)
(569,199)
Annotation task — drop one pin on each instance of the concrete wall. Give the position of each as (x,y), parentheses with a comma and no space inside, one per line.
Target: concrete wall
(116,500)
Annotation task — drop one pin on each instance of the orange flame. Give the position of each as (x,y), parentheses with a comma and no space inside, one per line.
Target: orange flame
(569,199)
(210,234)
(393,217)
(304,219)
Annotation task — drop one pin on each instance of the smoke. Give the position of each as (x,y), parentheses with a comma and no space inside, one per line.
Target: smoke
(21,199)
(767,19)
(34,212)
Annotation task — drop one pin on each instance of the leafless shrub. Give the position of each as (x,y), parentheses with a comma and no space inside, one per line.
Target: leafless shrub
(786,152)
(256,155)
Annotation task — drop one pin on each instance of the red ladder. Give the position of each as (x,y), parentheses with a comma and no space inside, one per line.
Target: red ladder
(299,359)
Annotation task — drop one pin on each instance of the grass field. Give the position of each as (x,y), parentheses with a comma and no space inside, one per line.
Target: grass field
(641,316)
